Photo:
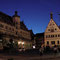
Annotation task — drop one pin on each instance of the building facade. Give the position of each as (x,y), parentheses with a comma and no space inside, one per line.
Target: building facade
(11,28)
(39,40)
(52,33)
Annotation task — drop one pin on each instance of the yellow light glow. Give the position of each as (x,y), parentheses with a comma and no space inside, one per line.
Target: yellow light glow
(19,42)
(22,42)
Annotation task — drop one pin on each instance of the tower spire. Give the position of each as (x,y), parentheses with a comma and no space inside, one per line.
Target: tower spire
(15,12)
(51,15)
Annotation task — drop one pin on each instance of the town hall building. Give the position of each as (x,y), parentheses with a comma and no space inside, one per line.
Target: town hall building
(52,33)
(12,28)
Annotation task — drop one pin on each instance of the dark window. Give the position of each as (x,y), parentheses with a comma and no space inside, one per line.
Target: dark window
(52,42)
(55,29)
(48,29)
(52,35)
(47,42)
(55,35)
(52,30)
(58,35)
(58,42)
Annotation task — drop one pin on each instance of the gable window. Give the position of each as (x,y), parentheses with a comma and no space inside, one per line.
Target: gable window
(48,29)
(55,29)
(58,35)
(52,30)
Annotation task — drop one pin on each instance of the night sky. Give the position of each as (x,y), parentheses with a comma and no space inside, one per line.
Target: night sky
(34,13)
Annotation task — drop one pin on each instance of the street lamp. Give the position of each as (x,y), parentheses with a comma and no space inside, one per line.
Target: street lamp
(34,47)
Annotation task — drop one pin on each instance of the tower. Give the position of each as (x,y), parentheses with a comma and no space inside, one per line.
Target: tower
(16,20)
(51,15)
(52,33)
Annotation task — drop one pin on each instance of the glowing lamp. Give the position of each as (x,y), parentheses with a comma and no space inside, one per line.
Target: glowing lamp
(22,42)
(19,42)
(33,47)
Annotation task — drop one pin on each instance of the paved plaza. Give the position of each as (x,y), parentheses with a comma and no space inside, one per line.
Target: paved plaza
(30,57)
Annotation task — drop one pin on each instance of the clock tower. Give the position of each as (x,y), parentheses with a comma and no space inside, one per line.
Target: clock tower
(16,20)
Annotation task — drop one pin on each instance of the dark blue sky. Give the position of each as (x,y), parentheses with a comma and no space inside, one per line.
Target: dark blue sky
(34,13)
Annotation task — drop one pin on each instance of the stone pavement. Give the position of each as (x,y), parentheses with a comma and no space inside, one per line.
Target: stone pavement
(31,57)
